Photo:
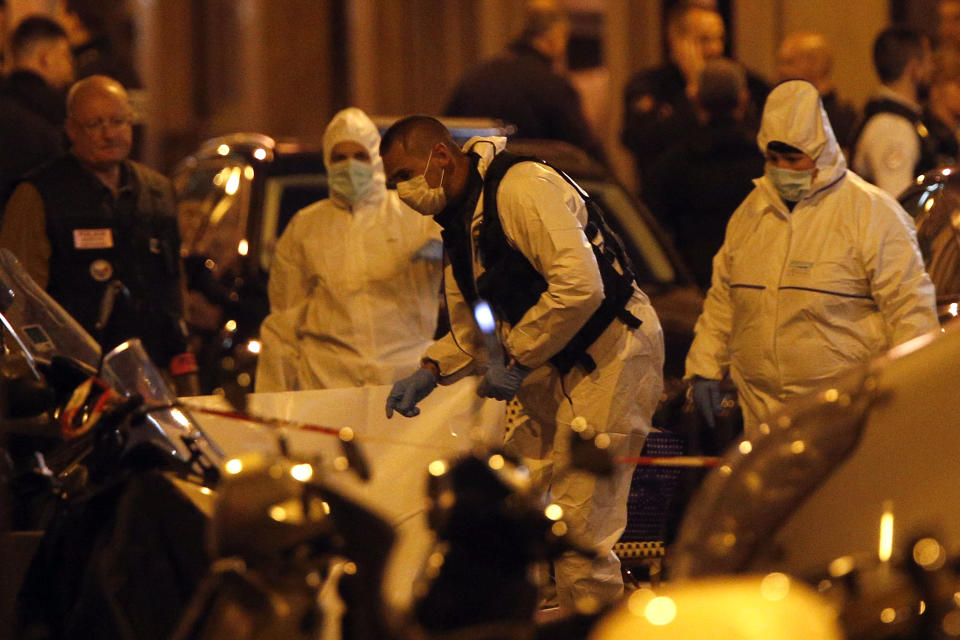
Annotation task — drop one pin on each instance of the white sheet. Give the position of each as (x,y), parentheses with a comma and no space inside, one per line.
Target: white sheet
(398,451)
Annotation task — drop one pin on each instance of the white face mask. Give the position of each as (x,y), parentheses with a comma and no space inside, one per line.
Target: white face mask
(792,185)
(420,196)
(351,180)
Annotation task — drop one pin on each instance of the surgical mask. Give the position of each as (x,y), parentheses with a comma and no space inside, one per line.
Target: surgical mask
(351,180)
(420,196)
(792,185)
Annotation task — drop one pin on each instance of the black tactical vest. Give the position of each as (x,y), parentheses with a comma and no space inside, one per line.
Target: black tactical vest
(511,285)
(96,239)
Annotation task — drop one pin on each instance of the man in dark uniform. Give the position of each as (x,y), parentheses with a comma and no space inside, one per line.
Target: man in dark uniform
(522,87)
(32,99)
(658,109)
(93,222)
(696,185)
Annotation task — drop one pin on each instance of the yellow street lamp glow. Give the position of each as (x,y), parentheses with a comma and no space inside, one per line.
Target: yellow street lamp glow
(553,512)
(885,548)
(301,472)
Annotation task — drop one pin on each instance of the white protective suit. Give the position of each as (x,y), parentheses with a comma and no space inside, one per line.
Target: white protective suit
(350,303)
(798,297)
(543,217)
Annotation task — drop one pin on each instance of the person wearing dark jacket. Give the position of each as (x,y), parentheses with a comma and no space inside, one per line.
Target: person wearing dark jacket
(32,99)
(658,109)
(92,220)
(523,88)
(695,187)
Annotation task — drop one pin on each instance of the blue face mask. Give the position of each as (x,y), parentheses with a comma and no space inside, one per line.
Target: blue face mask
(351,180)
(792,185)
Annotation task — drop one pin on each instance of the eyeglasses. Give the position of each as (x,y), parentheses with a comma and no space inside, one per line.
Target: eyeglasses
(91,126)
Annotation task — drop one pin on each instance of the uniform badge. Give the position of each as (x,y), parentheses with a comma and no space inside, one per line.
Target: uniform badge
(93,238)
(101,270)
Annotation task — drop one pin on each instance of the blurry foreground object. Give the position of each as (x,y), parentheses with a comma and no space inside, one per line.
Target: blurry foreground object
(850,489)
(771,607)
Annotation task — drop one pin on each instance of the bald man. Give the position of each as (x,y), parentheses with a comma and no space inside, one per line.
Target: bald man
(807,55)
(93,220)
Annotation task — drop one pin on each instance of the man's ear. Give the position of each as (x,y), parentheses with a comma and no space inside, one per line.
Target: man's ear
(442,151)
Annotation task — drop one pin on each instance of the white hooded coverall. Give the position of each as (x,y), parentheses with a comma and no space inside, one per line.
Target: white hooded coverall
(543,217)
(798,297)
(350,304)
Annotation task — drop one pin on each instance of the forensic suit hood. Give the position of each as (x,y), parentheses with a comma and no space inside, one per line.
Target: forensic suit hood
(794,115)
(353,125)
(353,299)
(799,296)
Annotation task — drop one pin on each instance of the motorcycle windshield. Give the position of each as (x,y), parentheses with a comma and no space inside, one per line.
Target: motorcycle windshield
(129,370)
(39,325)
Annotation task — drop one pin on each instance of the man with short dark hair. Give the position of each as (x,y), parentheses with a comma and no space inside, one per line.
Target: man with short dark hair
(523,87)
(893,145)
(819,271)
(581,343)
(32,98)
(93,220)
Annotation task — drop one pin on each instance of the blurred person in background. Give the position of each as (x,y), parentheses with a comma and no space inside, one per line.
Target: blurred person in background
(101,33)
(700,181)
(819,271)
(658,103)
(807,55)
(525,87)
(942,111)
(33,99)
(948,24)
(93,223)
(355,281)
(893,144)
(3,34)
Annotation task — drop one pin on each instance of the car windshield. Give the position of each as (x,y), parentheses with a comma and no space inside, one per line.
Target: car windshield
(213,200)
(284,195)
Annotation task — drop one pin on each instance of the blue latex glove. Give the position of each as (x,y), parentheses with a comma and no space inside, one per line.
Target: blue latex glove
(706,396)
(406,393)
(432,251)
(501,383)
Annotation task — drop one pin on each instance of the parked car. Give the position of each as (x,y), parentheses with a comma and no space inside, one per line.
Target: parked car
(934,203)
(237,193)
(853,490)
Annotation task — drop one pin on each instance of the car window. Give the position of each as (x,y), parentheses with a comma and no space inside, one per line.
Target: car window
(212,204)
(651,262)
(283,197)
